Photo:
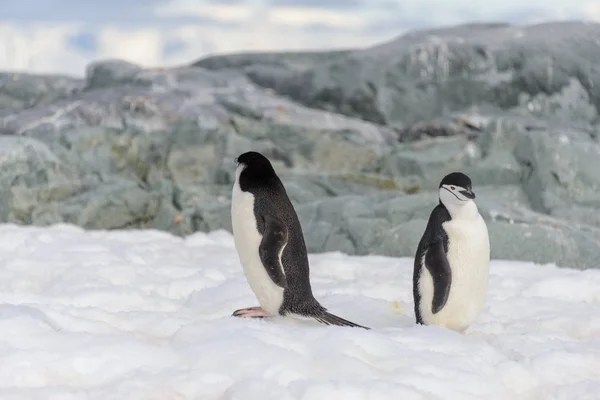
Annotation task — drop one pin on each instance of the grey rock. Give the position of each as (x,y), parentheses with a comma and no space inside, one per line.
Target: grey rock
(423,163)
(160,145)
(305,187)
(545,69)
(571,102)
(299,60)
(20,90)
(395,225)
(366,233)
(402,209)
(427,160)
(319,234)
(545,244)
(561,169)
(210,219)
(542,244)
(497,168)
(28,168)
(558,165)
(337,223)
(112,206)
(467,124)
(102,74)
(360,138)
(402,239)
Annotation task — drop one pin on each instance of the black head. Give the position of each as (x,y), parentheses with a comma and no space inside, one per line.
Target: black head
(254,169)
(455,189)
(457,179)
(253,159)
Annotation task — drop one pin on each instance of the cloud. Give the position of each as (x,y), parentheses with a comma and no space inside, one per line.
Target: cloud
(64,35)
(84,41)
(232,12)
(68,48)
(39,48)
(112,12)
(71,10)
(300,16)
(321,4)
(173,47)
(221,2)
(592,9)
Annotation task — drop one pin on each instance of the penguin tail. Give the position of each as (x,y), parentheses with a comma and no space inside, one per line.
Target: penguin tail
(331,319)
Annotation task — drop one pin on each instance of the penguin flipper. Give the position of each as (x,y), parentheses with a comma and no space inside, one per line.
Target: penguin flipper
(271,247)
(439,268)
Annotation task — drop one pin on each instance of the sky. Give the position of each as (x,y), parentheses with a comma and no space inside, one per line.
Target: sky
(63,36)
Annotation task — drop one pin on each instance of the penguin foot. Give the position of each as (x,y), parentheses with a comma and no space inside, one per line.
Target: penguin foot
(251,312)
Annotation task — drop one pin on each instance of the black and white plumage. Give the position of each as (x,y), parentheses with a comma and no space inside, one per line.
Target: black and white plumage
(270,245)
(451,264)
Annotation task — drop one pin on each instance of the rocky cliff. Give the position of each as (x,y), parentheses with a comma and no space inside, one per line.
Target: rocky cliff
(360,139)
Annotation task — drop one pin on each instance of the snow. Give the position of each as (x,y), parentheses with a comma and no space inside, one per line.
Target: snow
(146,315)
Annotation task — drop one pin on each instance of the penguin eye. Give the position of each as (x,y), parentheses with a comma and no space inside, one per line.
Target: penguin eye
(452,187)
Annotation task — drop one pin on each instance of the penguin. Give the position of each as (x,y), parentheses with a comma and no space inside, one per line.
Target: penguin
(270,245)
(451,266)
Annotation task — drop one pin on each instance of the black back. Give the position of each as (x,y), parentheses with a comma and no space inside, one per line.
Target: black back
(434,236)
(270,198)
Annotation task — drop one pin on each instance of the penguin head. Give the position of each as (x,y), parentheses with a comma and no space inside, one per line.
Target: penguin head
(253,169)
(455,190)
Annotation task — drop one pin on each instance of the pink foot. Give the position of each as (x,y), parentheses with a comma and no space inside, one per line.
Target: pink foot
(251,312)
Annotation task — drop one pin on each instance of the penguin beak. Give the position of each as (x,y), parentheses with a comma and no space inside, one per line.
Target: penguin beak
(468,194)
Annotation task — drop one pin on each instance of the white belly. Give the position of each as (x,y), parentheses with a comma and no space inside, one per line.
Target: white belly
(469,258)
(247,241)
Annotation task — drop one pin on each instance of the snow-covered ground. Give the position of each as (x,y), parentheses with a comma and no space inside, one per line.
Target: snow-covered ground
(145,315)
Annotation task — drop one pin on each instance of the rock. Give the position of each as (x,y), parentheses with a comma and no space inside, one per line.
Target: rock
(306,187)
(204,207)
(468,125)
(546,69)
(19,90)
(561,169)
(400,209)
(571,102)
(161,145)
(334,218)
(402,239)
(428,160)
(528,242)
(360,138)
(545,244)
(114,206)
(558,166)
(395,225)
(299,60)
(210,219)
(103,74)
(497,168)
(29,172)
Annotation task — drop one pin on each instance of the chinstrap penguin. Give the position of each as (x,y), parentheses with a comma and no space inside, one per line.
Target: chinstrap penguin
(451,266)
(270,245)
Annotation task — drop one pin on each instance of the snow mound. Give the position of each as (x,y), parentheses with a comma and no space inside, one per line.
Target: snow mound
(146,315)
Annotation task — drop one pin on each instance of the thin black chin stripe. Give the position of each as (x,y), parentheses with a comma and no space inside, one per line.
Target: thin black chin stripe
(453,193)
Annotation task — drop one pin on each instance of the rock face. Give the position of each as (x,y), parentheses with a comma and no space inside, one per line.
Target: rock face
(425,74)
(360,139)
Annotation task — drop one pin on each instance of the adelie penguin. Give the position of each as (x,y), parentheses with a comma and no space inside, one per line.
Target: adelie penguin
(270,245)
(451,266)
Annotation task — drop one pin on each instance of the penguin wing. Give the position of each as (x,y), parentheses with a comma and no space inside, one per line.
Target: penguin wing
(439,268)
(274,240)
